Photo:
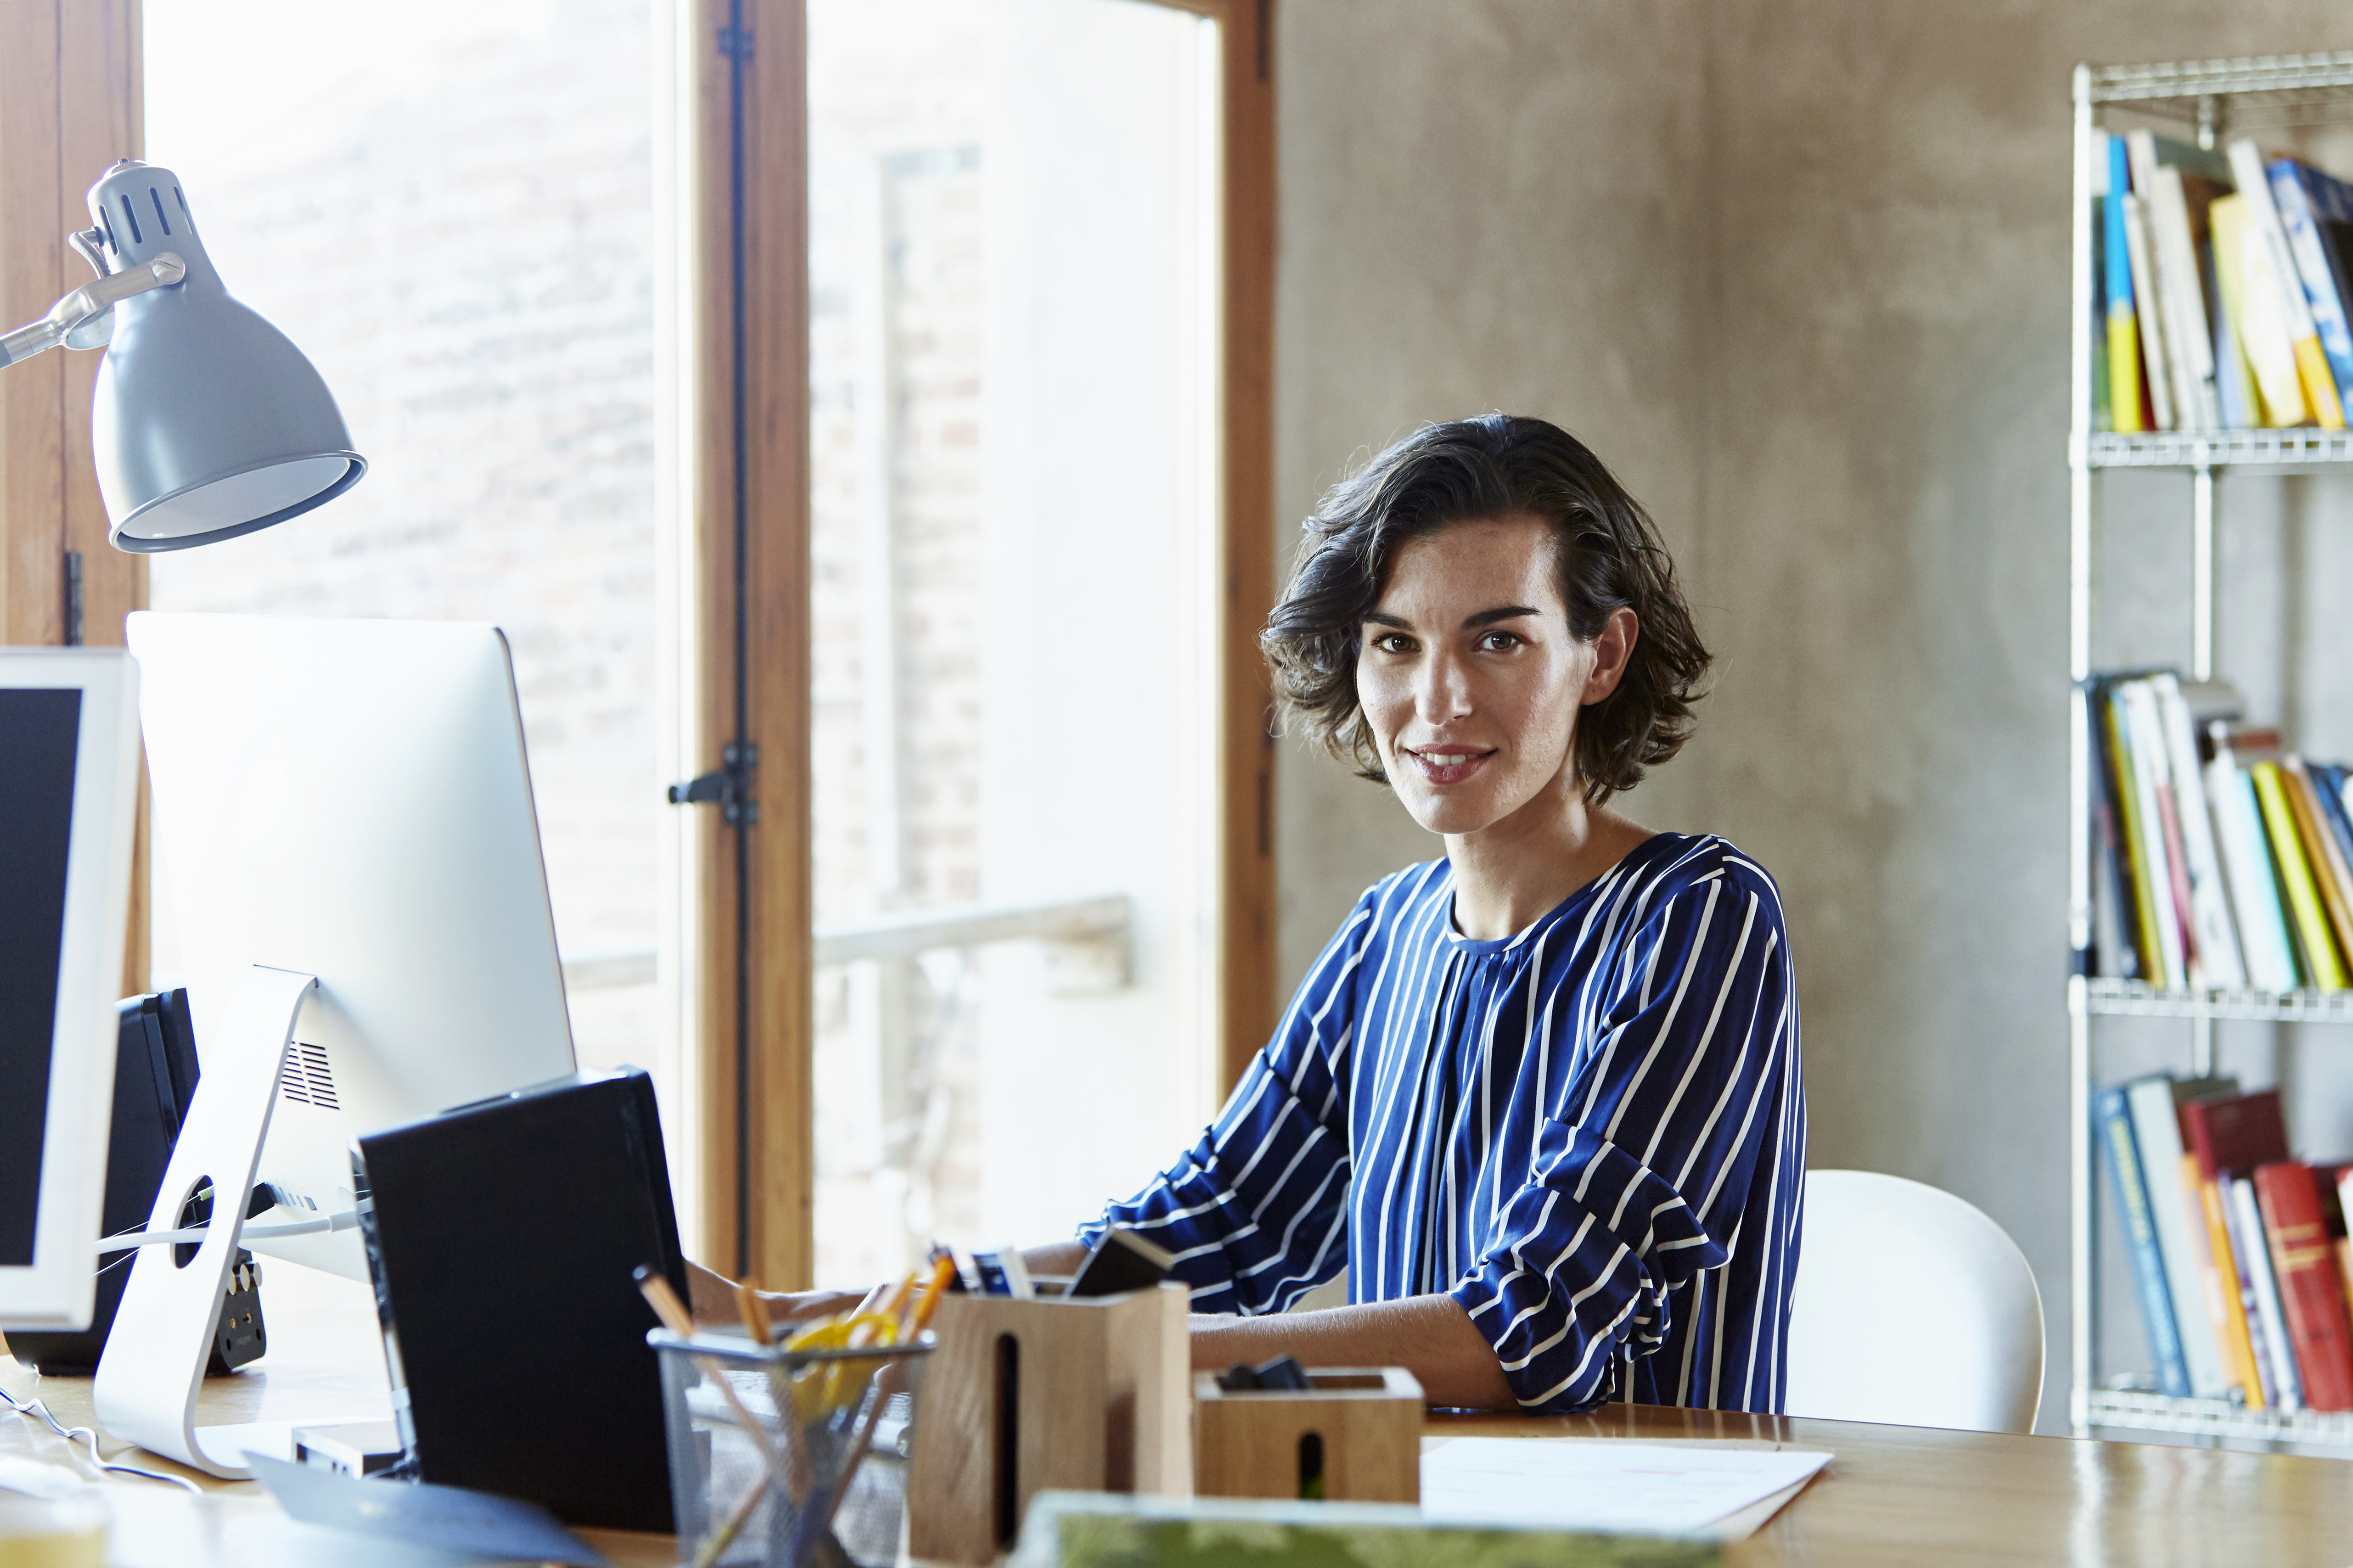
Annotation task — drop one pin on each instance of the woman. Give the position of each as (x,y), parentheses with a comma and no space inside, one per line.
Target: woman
(1541,1097)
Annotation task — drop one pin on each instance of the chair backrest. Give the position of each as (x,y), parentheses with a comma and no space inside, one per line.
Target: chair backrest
(1911,1307)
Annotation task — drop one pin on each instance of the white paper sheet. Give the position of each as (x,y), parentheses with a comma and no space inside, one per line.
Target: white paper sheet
(1587,1483)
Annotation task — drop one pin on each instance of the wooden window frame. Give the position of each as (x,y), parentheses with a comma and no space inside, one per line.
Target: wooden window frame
(71,104)
(776,1239)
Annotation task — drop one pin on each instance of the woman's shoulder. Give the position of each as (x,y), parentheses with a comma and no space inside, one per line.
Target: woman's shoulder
(1668,867)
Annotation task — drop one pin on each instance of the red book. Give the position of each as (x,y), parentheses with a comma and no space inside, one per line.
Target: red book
(2234,1133)
(2296,1224)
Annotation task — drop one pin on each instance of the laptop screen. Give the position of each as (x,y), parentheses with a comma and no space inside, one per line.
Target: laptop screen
(38,730)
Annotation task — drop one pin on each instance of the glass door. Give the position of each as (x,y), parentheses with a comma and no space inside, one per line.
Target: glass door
(1014,366)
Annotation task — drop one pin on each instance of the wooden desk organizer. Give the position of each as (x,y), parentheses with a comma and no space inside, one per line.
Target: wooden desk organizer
(1357,1429)
(1084,1395)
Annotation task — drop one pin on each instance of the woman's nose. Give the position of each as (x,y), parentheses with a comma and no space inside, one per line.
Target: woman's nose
(1443,692)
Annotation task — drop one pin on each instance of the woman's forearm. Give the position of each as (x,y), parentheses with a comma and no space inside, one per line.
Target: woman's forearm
(1430,1336)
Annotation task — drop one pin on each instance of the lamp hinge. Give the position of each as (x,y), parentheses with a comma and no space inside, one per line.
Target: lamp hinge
(73,599)
(729,788)
(736,43)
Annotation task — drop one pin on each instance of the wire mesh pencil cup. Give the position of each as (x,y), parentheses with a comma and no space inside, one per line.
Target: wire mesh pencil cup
(787,1459)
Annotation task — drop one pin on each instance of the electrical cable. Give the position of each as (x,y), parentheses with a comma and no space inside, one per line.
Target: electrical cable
(343,1219)
(89,1439)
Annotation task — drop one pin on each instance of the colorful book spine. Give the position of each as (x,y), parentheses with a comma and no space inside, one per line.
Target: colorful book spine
(2232,1289)
(2318,384)
(2330,876)
(2251,295)
(2305,1263)
(2156,364)
(2132,859)
(2124,326)
(2323,289)
(2157,1138)
(2315,942)
(2255,1257)
(2234,383)
(2224,1302)
(2210,903)
(2114,1116)
(2161,856)
(2269,951)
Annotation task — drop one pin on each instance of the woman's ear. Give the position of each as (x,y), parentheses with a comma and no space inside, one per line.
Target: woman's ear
(1612,651)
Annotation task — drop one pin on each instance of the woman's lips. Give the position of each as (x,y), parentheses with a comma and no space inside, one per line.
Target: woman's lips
(1447,767)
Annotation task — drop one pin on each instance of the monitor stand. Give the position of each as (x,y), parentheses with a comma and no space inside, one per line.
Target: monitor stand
(154,1365)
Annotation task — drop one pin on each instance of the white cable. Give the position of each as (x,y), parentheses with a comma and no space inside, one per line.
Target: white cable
(343,1220)
(89,1439)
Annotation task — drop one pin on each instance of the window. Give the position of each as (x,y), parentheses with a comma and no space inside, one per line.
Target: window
(453,212)
(1016,256)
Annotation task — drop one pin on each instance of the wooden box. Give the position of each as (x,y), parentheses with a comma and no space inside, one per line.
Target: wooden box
(1356,1430)
(1084,1396)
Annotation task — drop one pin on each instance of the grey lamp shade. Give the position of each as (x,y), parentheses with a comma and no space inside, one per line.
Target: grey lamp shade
(208,422)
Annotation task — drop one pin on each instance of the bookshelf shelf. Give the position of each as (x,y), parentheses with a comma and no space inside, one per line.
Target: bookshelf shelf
(2213,100)
(2215,1419)
(2264,90)
(2282,449)
(2134,998)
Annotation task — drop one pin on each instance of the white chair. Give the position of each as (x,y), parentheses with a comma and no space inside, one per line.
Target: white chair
(1913,1308)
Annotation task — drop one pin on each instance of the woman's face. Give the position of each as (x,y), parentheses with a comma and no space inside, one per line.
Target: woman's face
(1469,677)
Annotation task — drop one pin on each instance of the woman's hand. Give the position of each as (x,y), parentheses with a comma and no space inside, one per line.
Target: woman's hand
(712,1299)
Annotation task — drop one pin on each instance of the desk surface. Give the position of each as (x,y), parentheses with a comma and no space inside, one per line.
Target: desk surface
(1893,1494)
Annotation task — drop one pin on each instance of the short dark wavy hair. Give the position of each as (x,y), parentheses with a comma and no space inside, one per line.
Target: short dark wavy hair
(1609,558)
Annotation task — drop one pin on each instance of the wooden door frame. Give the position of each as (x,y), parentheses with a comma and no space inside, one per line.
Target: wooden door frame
(71,104)
(778,1173)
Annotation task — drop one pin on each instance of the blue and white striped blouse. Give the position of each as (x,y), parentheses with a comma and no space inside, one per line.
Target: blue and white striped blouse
(1592,1133)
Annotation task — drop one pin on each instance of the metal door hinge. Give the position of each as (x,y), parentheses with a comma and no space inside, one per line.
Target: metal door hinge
(729,788)
(73,599)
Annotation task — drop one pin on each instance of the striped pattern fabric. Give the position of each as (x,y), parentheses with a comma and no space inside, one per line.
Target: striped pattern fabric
(1591,1133)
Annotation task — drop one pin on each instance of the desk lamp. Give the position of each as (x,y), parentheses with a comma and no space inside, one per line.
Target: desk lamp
(208,423)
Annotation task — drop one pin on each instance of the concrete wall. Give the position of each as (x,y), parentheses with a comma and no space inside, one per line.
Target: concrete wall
(1799,273)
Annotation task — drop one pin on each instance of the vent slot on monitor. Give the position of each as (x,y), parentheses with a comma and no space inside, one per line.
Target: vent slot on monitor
(305,1076)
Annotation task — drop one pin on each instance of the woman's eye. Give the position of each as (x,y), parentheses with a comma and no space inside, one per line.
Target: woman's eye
(1394,642)
(1497,642)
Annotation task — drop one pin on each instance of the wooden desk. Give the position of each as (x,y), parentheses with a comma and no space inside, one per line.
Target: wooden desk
(1894,1494)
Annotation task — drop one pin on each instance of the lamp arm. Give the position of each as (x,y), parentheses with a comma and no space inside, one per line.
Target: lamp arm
(88,302)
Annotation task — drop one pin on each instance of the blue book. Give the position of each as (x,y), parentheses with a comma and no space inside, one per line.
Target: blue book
(2306,200)
(2328,788)
(2112,1122)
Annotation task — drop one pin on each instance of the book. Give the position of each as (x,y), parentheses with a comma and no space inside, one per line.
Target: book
(2264,943)
(2241,1350)
(2243,271)
(2329,874)
(2148,311)
(2157,1138)
(2133,865)
(2289,1199)
(2235,382)
(2318,384)
(2157,843)
(2328,793)
(2178,182)
(2210,906)
(2228,1136)
(2316,947)
(2256,1257)
(2218,1281)
(2316,269)
(2124,396)
(2113,1116)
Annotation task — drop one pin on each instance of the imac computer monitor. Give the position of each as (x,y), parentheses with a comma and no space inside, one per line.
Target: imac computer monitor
(68,797)
(349,799)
